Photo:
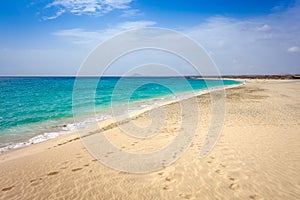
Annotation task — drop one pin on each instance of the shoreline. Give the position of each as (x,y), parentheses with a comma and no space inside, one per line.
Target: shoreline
(108,119)
(256,157)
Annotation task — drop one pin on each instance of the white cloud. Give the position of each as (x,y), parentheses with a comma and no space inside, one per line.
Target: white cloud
(294,49)
(57,14)
(81,36)
(131,13)
(253,45)
(85,7)
(134,25)
(263,28)
(120,4)
(256,45)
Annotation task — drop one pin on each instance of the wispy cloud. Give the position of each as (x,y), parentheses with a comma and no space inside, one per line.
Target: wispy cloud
(294,49)
(265,27)
(85,7)
(131,13)
(264,44)
(81,36)
(257,45)
(57,14)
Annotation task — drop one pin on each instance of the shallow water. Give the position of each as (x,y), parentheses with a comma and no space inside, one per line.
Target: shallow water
(34,109)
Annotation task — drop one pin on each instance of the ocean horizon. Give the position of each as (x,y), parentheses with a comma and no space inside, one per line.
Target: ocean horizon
(34,109)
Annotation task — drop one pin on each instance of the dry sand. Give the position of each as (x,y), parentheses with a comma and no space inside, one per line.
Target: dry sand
(256,157)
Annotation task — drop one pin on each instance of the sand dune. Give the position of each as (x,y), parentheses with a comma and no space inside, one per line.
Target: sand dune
(256,157)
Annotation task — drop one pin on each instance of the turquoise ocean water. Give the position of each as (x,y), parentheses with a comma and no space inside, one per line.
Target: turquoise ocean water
(34,109)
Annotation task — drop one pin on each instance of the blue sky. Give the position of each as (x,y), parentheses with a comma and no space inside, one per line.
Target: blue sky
(53,37)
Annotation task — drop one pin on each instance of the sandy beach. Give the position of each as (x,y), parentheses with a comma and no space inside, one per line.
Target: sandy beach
(257,155)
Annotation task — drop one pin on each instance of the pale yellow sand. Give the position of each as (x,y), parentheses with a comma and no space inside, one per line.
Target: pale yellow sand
(257,156)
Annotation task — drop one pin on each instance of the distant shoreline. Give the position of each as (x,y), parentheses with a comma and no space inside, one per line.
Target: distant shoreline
(274,76)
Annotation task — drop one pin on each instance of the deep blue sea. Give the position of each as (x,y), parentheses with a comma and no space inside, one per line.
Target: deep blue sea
(34,109)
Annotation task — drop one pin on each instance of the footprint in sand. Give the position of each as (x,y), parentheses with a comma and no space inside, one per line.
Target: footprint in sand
(35,180)
(76,169)
(222,165)
(8,188)
(175,154)
(234,186)
(169,178)
(186,196)
(254,196)
(123,172)
(220,172)
(165,187)
(52,173)
(209,161)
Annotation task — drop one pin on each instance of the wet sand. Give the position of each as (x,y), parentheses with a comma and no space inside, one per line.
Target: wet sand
(257,155)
